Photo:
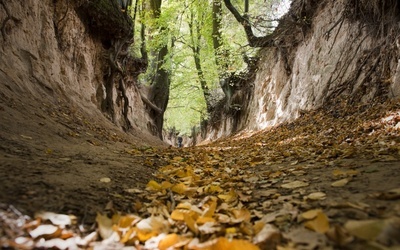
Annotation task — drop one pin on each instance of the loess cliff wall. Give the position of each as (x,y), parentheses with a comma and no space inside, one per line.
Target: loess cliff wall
(54,51)
(324,53)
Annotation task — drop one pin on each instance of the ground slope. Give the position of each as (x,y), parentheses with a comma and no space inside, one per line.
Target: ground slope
(328,180)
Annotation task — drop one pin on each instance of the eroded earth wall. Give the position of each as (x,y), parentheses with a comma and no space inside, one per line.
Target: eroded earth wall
(48,54)
(338,58)
(324,53)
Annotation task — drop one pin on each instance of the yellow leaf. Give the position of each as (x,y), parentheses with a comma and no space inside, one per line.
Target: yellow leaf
(179,214)
(241,214)
(128,221)
(230,197)
(214,189)
(144,235)
(129,236)
(169,241)
(166,185)
(203,220)
(320,224)
(226,244)
(209,212)
(190,222)
(153,185)
(311,214)
(179,188)
(231,230)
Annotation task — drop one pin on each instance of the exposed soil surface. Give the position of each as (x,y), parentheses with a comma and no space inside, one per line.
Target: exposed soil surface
(343,165)
(53,157)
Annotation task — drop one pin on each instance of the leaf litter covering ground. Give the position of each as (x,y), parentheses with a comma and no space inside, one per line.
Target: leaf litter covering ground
(303,185)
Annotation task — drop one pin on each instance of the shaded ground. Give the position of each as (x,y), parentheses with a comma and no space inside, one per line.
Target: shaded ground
(303,185)
(52,158)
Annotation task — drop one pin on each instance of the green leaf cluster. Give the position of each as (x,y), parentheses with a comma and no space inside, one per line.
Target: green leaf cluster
(189,25)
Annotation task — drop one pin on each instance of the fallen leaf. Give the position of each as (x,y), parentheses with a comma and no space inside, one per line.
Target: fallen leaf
(393,194)
(105,225)
(105,180)
(340,183)
(226,244)
(169,241)
(339,235)
(295,184)
(319,224)
(191,223)
(268,235)
(371,230)
(179,188)
(45,231)
(310,214)
(153,185)
(315,196)
(61,220)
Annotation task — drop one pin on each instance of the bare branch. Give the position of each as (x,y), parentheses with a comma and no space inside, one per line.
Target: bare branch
(254,41)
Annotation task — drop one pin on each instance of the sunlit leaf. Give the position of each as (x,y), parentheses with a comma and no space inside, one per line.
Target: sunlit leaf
(340,183)
(56,219)
(169,241)
(45,231)
(179,188)
(226,244)
(153,185)
(319,224)
(191,223)
(201,220)
(210,210)
(105,180)
(315,196)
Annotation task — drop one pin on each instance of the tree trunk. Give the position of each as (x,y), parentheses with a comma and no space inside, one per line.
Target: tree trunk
(159,92)
(196,39)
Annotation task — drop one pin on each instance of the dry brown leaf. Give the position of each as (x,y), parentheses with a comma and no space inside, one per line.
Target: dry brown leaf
(268,235)
(339,235)
(295,184)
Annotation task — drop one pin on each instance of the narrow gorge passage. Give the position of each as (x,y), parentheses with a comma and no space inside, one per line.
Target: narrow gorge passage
(327,180)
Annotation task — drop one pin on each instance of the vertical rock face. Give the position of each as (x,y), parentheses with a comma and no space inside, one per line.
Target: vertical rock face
(344,54)
(324,53)
(48,53)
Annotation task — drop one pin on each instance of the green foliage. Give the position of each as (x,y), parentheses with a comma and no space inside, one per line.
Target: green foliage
(187,104)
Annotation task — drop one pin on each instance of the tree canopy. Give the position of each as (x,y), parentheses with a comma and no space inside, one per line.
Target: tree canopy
(196,44)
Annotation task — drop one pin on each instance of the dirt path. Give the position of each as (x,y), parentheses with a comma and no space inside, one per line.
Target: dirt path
(330,180)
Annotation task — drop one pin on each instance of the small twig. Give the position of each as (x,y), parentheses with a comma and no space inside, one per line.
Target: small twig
(173,203)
